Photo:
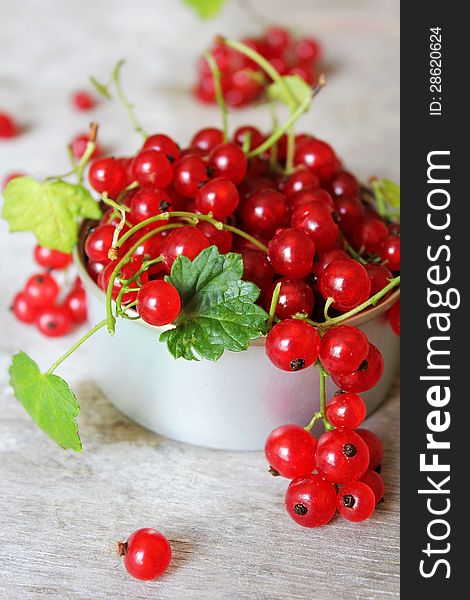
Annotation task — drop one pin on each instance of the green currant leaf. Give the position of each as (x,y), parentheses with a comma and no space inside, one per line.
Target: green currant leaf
(205,9)
(300,90)
(51,210)
(387,197)
(218,308)
(48,400)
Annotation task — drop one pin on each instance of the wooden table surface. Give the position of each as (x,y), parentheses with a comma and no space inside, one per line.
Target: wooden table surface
(60,513)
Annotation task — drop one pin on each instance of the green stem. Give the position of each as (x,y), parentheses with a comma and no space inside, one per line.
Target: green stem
(290,150)
(125,102)
(328,303)
(245,235)
(314,419)
(81,341)
(219,96)
(356,255)
(112,253)
(273,305)
(326,423)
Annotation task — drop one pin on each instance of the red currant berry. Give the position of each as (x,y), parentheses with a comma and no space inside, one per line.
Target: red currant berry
(158,303)
(83,100)
(394,317)
(41,290)
(79,144)
(291,253)
(249,135)
(310,195)
(23,309)
(242,88)
(376,484)
(147,203)
(379,276)
(290,450)
(107,175)
(217,237)
(218,196)
(162,143)
(99,242)
(8,127)
(292,345)
(390,252)
(326,257)
(344,184)
(350,211)
(343,349)
(303,179)
(307,50)
(51,259)
(316,219)
(346,410)
(10,177)
(76,303)
(95,269)
(54,321)
(277,40)
(126,272)
(229,161)
(305,71)
(347,282)
(264,212)
(207,139)
(295,296)
(319,157)
(147,554)
(376,450)
(256,268)
(311,501)
(369,233)
(189,175)
(186,241)
(368,374)
(152,169)
(342,456)
(356,501)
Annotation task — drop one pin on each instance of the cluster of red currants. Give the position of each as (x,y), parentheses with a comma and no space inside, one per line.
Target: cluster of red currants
(242,81)
(38,302)
(343,456)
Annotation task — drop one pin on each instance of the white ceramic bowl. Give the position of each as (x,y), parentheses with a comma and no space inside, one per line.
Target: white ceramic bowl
(232,404)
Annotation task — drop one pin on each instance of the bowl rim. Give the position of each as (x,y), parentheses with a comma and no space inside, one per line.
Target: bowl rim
(92,287)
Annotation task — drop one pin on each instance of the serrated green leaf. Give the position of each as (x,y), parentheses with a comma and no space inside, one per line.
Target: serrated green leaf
(205,8)
(299,90)
(218,308)
(48,400)
(51,210)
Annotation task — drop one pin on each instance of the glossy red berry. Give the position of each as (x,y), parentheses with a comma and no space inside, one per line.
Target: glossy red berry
(99,242)
(54,321)
(379,277)
(344,184)
(342,456)
(291,253)
(346,410)
(185,241)
(23,309)
(317,220)
(51,259)
(107,175)
(265,211)
(75,302)
(343,349)
(147,203)
(326,257)
(8,126)
(292,345)
(319,157)
(307,50)
(229,161)
(162,143)
(390,252)
(366,377)
(247,134)
(94,269)
(278,39)
(152,169)
(147,554)
(295,296)
(82,100)
(256,268)
(242,88)
(290,450)
(350,211)
(394,317)
(207,139)
(311,501)
(309,195)
(217,237)
(347,282)
(79,144)
(368,234)
(126,272)
(376,484)
(303,179)
(375,446)
(356,501)
(158,303)
(218,196)
(41,290)
(189,175)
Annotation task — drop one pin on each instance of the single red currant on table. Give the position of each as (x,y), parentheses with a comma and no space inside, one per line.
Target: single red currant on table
(8,126)
(23,309)
(290,451)
(41,290)
(311,501)
(83,100)
(75,302)
(158,303)
(54,321)
(342,456)
(356,501)
(292,345)
(147,554)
